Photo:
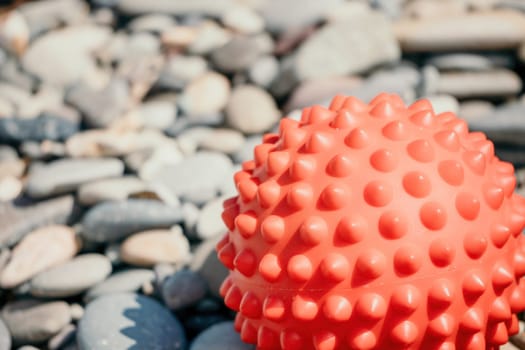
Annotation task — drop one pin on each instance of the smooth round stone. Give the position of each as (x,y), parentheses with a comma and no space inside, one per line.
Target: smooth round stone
(154,23)
(156,246)
(62,338)
(165,154)
(190,139)
(208,94)
(210,223)
(241,115)
(196,178)
(123,281)
(241,52)
(33,321)
(221,336)
(42,150)
(111,221)
(63,56)
(126,321)
(41,249)
(264,71)
(43,127)
(181,70)
(114,189)
(320,57)
(243,20)
(223,140)
(5,337)
(10,188)
(208,38)
(212,8)
(183,289)
(65,175)
(157,114)
(493,83)
(206,264)
(443,103)
(470,110)
(72,277)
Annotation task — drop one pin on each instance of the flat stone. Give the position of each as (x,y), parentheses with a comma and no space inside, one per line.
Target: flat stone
(165,154)
(10,188)
(264,70)
(62,338)
(130,280)
(277,13)
(241,115)
(124,321)
(424,9)
(183,289)
(41,249)
(191,138)
(180,70)
(241,52)
(473,109)
(243,20)
(207,94)
(155,23)
(101,106)
(43,151)
(72,277)
(196,178)
(347,47)
(210,223)
(33,321)
(206,264)
(148,248)
(17,221)
(223,140)
(113,189)
(66,175)
(473,31)
(112,221)
(213,8)
(221,336)
(209,37)
(493,83)
(62,57)
(157,114)
(463,61)
(5,337)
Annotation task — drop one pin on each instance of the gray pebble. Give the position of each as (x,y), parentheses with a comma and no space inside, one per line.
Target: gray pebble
(65,175)
(180,70)
(111,221)
(112,189)
(195,178)
(5,337)
(32,321)
(264,71)
(43,127)
(72,277)
(221,336)
(183,289)
(206,264)
(128,321)
(123,281)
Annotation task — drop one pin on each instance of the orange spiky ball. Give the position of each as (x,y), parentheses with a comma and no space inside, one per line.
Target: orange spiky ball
(375,226)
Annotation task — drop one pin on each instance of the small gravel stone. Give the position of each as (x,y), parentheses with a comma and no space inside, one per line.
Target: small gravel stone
(114,189)
(111,221)
(183,289)
(123,321)
(130,280)
(221,336)
(264,71)
(66,175)
(72,277)
(241,114)
(207,94)
(41,249)
(33,321)
(210,223)
(148,248)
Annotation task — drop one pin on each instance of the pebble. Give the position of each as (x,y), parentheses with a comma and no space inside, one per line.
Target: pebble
(243,20)
(241,52)
(43,127)
(212,8)
(473,31)
(207,94)
(264,71)
(208,266)
(166,154)
(14,32)
(347,47)
(45,150)
(183,289)
(33,321)
(220,336)
(209,37)
(246,151)
(493,83)
(129,280)
(425,9)
(196,178)
(10,188)
(5,337)
(113,189)
(191,138)
(461,61)
(62,57)
(62,338)
(157,114)
(17,221)
(209,223)
(125,321)
(114,220)
(474,109)
(102,106)
(223,140)
(504,124)
(241,115)
(148,248)
(40,250)
(443,103)
(66,175)
(154,23)
(72,277)
(180,70)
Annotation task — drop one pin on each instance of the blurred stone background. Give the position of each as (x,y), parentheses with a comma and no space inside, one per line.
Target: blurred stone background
(122,123)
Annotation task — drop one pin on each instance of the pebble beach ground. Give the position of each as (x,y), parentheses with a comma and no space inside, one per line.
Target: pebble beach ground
(122,123)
